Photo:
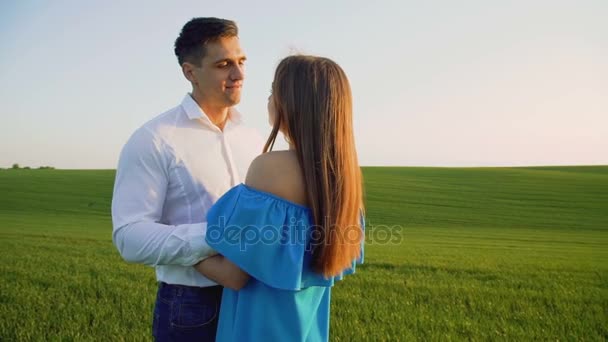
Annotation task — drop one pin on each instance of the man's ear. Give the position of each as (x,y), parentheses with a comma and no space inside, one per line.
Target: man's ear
(187,70)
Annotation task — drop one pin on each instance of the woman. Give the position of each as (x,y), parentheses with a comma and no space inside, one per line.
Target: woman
(295,227)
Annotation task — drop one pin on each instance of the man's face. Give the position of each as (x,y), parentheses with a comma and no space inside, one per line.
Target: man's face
(219,79)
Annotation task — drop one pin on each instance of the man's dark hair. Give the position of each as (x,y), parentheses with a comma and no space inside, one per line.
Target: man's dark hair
(190,45)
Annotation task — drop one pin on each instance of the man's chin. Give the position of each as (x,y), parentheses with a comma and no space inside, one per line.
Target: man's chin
(233,101)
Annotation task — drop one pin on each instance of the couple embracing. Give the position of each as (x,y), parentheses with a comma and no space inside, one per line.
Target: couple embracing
(247,242)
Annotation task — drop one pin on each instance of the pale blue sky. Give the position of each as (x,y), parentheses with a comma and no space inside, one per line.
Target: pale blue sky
(438,83)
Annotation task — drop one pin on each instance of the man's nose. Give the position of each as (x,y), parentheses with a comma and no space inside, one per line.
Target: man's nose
(238,73)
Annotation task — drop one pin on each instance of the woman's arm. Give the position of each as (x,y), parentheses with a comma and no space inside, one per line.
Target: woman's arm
(223,272)
(277,173)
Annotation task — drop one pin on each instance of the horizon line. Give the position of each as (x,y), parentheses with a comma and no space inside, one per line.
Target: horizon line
(48,167)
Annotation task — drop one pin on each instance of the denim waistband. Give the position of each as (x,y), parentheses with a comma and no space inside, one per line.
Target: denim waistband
(174,290)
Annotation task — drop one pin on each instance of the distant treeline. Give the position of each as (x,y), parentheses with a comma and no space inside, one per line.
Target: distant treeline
(18,167)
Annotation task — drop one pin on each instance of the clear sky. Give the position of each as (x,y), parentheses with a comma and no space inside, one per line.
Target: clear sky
(437,83)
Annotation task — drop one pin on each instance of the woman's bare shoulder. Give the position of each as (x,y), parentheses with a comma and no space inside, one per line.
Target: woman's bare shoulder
(278,173)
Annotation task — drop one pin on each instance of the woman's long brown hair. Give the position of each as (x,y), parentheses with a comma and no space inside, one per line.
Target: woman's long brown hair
(313,103)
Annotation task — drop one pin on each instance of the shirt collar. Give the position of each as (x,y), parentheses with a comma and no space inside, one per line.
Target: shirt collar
(193,111)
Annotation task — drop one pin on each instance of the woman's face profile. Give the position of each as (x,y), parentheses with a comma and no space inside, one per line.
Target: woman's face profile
(271,111)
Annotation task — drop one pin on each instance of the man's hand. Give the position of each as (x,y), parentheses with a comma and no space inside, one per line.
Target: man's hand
(223,272)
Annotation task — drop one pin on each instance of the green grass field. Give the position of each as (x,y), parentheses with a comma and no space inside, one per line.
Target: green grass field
(473,254)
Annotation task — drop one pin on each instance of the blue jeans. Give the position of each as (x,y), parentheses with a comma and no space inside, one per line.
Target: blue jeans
(186,313)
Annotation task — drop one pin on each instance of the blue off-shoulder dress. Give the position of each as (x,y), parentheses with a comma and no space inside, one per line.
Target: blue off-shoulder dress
(269,238)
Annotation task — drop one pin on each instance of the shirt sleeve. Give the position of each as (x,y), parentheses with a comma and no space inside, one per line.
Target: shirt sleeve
(137,204)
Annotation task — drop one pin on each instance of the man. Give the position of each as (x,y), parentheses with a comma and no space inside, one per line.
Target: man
(174,168)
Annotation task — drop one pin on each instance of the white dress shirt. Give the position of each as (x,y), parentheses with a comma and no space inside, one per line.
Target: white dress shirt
(170,173)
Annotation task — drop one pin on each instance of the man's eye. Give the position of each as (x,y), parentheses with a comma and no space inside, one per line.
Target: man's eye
(222,65)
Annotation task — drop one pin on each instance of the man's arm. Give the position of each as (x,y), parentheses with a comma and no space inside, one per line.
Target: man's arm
(137,204)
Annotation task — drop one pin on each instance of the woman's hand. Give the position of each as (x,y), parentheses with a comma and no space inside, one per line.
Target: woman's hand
(223,272)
